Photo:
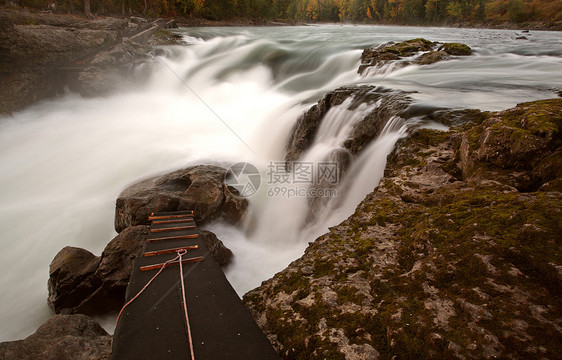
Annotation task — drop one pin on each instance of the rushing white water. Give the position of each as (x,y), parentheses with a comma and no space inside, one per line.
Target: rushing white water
(64,161)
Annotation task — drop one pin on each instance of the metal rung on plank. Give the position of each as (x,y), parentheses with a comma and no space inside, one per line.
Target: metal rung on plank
(158,266)
(157,222)
(179,237)
(173,228)
(168,251)
(162,217)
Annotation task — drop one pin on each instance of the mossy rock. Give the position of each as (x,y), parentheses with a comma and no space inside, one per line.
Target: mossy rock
(456,49)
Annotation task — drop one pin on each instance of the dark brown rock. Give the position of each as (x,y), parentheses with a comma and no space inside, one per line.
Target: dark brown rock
(44,53)
(219,252)
(432,57)
(63,337)
(70,278)
(37,43)
(80,282)
(114,272)
(198,188)
(549,169)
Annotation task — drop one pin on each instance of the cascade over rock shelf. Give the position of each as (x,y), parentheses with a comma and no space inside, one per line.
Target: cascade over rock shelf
(453,255)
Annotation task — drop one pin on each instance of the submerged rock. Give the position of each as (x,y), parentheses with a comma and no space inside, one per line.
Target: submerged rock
(436,262)
(415,51)
(199,188)
(63,337)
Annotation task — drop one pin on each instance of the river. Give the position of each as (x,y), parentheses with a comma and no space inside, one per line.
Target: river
(228,95)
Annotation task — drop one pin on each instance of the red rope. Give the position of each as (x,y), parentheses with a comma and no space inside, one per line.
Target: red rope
(144,288)
(180,253)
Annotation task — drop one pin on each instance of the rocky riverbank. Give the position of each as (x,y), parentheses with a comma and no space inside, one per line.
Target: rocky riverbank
(42,53)
(456,254)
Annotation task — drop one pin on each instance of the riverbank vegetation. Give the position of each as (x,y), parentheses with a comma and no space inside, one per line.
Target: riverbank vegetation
(411,12)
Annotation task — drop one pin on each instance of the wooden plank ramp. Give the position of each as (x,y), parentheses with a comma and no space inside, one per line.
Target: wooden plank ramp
(153,326)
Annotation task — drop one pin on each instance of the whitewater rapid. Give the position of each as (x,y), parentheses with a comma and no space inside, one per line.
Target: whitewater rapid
(228,95)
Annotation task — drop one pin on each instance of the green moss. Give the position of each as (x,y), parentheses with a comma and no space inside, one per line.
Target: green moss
(456,49)
(348,293)
(420,40)
(474,135)
(409,47)
(538,117)
(294,281)
(429,137)
(392,188)
(323,268)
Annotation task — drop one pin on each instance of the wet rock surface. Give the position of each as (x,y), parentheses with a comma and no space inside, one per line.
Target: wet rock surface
(446,258)
(199,188)
(222,255)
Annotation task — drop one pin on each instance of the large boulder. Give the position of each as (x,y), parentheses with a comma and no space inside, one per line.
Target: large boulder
(199,188)
(80,282)
(436,262)
(63,337)
(114,272)
(70,278)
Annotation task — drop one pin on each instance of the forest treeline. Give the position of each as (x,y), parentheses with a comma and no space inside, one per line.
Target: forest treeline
(412,12)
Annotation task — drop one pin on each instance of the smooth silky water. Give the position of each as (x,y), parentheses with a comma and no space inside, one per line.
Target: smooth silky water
(63,162)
